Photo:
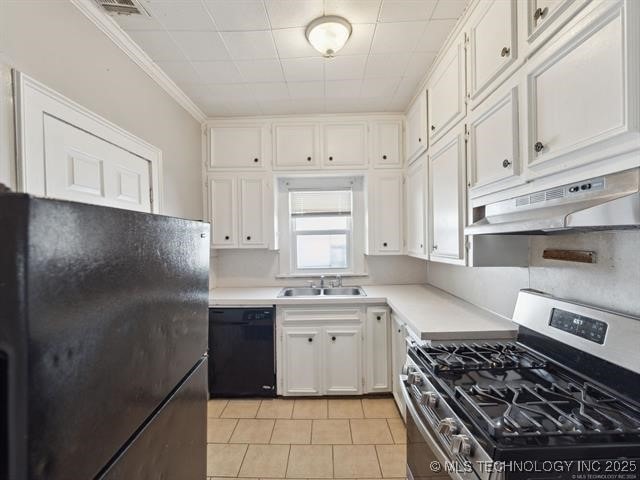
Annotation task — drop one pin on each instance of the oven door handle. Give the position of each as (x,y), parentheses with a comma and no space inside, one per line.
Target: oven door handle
(424,431)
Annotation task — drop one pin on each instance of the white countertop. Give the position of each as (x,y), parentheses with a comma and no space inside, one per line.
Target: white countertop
(430,312)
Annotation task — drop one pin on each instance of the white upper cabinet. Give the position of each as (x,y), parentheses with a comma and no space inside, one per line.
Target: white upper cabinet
(254,211)
(345,144)
(582,90)
(416,131)
(494,147)
(416,204)
(544,18)
(295,145)
(222,211)
(387,144)
(446,91)
(492,44)
(240,147)
(447,186)
(385,214)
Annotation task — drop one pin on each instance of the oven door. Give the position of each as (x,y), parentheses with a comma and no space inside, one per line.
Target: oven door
(425,457)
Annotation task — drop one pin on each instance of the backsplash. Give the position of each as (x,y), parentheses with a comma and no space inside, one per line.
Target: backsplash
(256,268)
(611,283)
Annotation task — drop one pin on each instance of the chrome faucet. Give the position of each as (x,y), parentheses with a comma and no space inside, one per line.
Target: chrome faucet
(321,281)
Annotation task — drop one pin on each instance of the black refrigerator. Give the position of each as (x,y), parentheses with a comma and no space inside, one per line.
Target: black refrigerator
(103,340)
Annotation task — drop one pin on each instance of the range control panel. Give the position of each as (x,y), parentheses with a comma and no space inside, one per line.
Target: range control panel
(579,325)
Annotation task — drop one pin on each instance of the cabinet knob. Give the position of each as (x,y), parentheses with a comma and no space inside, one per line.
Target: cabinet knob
(538,147)
(421,245)
(399,330)
(435,247)
(433,127)
(226,237)
(249,237)
(506,163)
(255,160)
(540,12)
(419,140)
(384,157)
(505,52)
(333,339)
(331,159)
(384,244)
(378,318)
(310,340)
(308,159)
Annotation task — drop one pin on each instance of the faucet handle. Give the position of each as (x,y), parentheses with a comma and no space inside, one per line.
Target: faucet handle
(310,283)
(339,280)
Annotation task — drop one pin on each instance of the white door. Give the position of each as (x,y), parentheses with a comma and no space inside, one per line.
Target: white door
(447,186)
(302,354)
(493,139)
(492,42)
(386,210)
(378,350)
(254,208)
(387,144)
(223,212)
(84,168)
(415,185)
(295,146)
(342,360)
(236,146)
(398,358)
(447,91)
(416,133)
(345,145)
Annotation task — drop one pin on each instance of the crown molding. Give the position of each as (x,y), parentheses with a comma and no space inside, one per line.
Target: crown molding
(118,36)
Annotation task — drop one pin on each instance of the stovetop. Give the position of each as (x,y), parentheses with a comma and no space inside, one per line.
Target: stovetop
(515,397)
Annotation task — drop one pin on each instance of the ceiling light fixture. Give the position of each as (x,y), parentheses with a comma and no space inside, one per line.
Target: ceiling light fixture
(328,34)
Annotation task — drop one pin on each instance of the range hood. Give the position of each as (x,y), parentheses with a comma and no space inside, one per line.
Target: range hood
(610,202)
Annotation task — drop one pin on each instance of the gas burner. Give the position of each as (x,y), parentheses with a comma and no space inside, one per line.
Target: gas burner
(464,357)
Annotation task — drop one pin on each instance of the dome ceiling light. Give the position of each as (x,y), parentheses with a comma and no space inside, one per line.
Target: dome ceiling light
(328,34)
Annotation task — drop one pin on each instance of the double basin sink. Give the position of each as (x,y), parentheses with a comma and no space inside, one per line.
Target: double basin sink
(320,292)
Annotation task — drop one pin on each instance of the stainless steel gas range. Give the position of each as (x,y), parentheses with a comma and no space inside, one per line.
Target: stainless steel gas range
(560,402)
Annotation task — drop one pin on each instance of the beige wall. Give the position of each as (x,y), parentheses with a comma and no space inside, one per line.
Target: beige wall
(51,41)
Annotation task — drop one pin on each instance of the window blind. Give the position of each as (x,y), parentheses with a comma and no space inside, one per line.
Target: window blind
(320,202)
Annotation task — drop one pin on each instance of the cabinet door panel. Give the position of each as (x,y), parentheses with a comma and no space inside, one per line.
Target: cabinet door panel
(302,357)
(345,145)
(447,186)
(416,204)
(295,146)
(416,135)
(491,43)
(386,203)
(493,140)
(342,360)
(398,358)
(222,211)
(378,344)
(387,144)
(236,147)
(253,211)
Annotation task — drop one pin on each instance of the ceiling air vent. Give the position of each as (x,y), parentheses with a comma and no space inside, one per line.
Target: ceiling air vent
(123,7)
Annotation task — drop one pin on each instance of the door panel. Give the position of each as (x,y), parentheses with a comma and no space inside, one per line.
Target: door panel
(222,208)
(416,204)
(343,360)
(387,211)
(253,204)
(379,350)
(236,147)
(84,168)
(295,146)
(345,145)
(387,144)
(302,361)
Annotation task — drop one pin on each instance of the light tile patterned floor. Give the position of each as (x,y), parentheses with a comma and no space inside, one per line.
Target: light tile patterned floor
(305,439)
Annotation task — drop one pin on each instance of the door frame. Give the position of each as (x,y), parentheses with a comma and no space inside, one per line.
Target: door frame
(33,100)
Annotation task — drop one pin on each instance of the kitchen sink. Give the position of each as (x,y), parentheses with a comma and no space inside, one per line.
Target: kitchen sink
(319,292)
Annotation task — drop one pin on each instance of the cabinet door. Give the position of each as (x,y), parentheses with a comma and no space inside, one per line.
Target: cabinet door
(254,211)
(398,358)
(545,17)
(378,350)
(385,195)
(295,146)
(387,146)
(222,212)
(416,132)
(342,360)
(345,145)
(415,186)
(301,361)
(582,92)
(493,139)
(236,146)
(447,91)
(492,43)
(447,187)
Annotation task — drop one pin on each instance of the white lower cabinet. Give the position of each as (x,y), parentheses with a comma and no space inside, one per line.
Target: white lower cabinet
(301,350)
(378,343)
(342,360)
(398,358)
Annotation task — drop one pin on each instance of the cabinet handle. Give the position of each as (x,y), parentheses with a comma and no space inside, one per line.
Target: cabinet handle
(419,140)
(333,339)
(435,247)
(399,331)
(310,340)
(378,318)
(226,237)
(249,237)
(506,163)
(255,160)
(540,12)
(505,52)
(538,147)
(433,127)
(331,159)
(384,244)
(308,159)
(384,157)
(421,245)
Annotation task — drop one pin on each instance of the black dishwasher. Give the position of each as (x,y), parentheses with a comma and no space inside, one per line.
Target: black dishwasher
(242,352)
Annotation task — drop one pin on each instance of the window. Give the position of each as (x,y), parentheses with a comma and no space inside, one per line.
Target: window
(321,229)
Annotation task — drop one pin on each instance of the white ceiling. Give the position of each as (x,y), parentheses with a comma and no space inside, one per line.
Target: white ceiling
(251,57)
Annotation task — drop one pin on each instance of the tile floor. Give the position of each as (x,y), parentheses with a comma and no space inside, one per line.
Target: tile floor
(308,439)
